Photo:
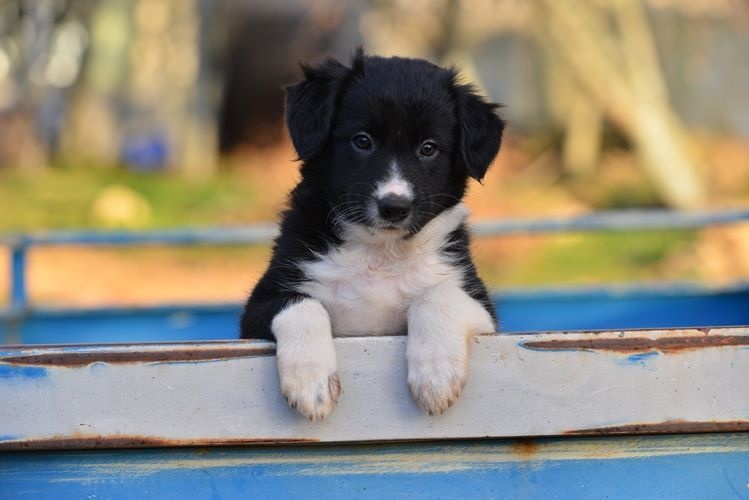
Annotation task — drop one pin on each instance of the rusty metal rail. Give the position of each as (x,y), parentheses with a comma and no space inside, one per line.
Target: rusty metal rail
(223,393)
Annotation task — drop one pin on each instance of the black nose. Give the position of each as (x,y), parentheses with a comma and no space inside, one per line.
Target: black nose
(394,208)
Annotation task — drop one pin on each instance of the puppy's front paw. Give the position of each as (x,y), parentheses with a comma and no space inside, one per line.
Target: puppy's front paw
(312,389)
(436,383)
(440,324)
(306,359)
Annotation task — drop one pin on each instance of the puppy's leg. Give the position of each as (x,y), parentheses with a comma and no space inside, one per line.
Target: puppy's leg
(306,358)
(440,324)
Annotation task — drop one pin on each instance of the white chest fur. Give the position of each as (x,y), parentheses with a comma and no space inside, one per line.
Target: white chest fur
(368,283)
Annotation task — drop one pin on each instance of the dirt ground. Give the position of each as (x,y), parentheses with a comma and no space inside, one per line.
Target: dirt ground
(78,276)
(82,277)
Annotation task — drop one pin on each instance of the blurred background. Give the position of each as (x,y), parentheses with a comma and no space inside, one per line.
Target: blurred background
(144,114)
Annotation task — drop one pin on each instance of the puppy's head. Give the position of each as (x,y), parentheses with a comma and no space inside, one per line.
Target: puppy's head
(390,141)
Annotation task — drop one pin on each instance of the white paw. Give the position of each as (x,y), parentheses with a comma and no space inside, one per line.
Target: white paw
(312,389)
(306,359)
(436,383)
(440,324)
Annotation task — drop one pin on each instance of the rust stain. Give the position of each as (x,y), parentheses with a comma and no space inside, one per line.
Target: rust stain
(177,354)
(81,441)
(666,427)
(666,344)
(525,448)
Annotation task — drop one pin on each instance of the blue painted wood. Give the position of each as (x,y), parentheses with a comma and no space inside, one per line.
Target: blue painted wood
(623,308)
(158,324)
(688,466)
(679,305)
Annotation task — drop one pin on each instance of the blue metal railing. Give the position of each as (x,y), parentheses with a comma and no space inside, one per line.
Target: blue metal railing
(18,292)
(624,220)
(263,233)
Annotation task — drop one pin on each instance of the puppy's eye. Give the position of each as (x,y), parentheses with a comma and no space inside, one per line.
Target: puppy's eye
(428,149)
(362,142)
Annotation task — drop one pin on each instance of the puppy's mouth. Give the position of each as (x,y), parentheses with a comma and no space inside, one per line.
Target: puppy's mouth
(389,227)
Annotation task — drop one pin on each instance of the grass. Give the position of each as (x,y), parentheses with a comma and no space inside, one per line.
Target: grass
(605,257)
(63,198)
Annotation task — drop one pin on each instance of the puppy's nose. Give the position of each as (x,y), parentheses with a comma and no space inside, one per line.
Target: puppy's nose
(394,208)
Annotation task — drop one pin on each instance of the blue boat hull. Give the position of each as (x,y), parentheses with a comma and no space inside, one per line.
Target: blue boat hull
(685,466)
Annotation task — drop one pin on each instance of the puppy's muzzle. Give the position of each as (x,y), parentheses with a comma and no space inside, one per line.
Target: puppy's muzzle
(394,208)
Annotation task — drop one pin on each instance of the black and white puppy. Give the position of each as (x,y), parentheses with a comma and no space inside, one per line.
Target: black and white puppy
(374,240)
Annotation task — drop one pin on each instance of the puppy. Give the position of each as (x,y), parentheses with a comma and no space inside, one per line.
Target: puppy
(374,241)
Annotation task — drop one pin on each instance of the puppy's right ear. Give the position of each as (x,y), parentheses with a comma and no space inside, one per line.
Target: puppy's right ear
(310,106)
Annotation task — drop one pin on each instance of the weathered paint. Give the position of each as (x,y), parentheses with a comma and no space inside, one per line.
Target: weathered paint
(667,427)
(82,441)
(640,357)
(678,341)
(690,466)
(519,385)
(71,356)
(21,372)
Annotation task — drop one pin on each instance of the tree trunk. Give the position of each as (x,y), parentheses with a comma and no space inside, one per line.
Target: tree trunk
(94,130)
(619,70)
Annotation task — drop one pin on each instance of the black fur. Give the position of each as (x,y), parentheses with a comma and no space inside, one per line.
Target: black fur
(399,103)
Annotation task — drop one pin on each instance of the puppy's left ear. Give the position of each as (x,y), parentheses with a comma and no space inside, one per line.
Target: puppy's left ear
(479,131)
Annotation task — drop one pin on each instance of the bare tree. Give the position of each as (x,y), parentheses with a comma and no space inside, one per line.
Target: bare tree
(609,51)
